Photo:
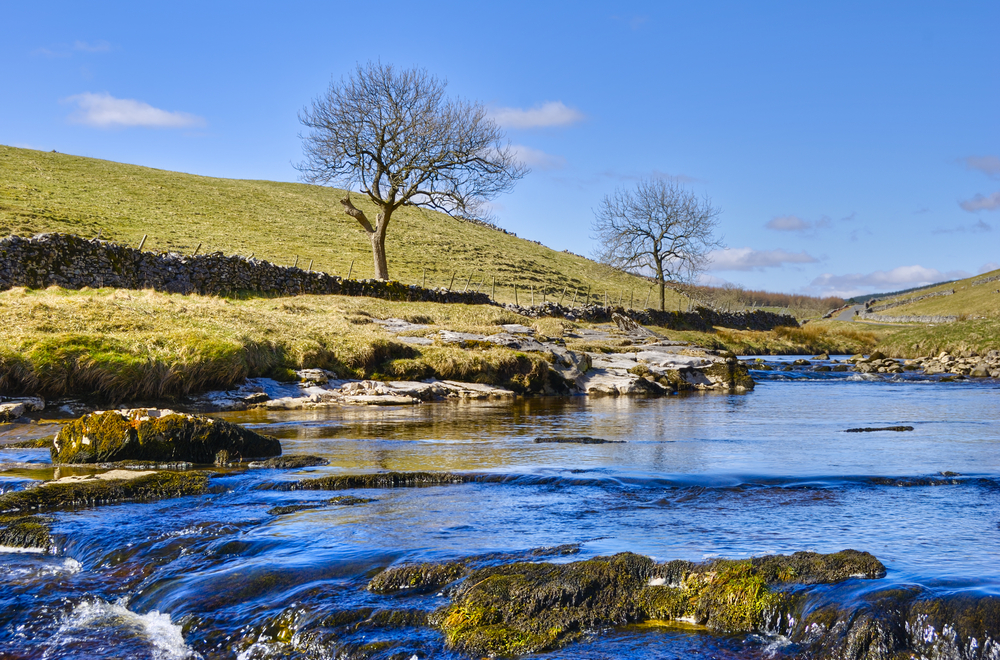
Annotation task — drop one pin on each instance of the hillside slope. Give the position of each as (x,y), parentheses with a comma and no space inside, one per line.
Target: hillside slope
(974,297)
(50,192)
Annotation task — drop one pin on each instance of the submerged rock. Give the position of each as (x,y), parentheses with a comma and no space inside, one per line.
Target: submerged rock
(158,435)
(870,429)
(578,440)
(95,491)
(531,607)
(376,480)
(417,578)
(289,462)
(25,532)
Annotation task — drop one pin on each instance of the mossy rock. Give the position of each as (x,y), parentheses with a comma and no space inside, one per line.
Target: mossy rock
(531,607)
(25,532)
(158,435)
(417,578)
(158,486)
(376,480)
(290,462)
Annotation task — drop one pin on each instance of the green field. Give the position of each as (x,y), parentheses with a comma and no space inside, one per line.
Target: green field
(970,301)
(282,222)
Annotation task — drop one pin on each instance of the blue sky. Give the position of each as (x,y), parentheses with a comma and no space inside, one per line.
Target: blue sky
(852,147)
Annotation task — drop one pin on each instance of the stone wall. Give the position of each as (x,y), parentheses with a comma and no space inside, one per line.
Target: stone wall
(879,318)
(872,307)
(984,280)
(73,263)
(701,319)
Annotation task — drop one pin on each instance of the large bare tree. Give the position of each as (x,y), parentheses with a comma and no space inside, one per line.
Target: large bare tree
(659,228)
(392,135)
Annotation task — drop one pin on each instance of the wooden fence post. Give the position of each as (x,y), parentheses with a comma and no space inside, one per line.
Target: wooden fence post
(563,295)
(515,294)
(493,292)
(142,242)
(575,291)
(423,282)
(452,280)
(296,261)
(349,270)
(309,270)
(645,305)
(532,294)
(467,282)
(196,250)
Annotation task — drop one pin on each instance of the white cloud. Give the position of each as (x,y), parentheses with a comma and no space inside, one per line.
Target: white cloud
(538,159)
(551,113)
(988,165)
(750,259)
(980,203)
(985,268)
(105,111)
(880,281)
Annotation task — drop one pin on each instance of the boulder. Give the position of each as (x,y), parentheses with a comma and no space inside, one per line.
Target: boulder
(11,409)
(158,435)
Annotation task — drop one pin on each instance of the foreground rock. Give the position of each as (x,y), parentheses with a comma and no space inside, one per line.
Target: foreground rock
(119,486)
(530,607)
(158,435)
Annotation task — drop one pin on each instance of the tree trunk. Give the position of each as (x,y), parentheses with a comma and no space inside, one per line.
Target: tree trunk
(378,245)
(378,254)
(663,295)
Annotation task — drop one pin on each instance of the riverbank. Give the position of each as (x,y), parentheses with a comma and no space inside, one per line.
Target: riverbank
(121,346)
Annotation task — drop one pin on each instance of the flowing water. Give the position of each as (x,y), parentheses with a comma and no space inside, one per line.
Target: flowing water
(697,476)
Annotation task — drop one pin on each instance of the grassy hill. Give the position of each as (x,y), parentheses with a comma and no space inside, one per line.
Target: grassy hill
(970,300)
(52,192)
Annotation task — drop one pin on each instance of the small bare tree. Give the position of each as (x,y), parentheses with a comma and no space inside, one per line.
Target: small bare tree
(392,135)
(658,228)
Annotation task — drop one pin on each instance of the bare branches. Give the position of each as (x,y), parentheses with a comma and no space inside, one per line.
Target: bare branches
(659,228)
(392,135)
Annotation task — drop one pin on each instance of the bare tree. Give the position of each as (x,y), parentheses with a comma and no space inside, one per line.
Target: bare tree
(392,135)
(658,228)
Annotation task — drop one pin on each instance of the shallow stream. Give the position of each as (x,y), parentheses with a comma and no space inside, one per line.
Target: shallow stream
(696,477)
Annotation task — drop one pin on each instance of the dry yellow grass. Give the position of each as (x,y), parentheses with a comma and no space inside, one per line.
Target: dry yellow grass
(130,345)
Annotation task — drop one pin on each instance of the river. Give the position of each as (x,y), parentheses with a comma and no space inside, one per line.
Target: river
(694,477)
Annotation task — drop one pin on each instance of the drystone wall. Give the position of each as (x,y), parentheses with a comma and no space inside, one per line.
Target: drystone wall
(879,318)
(701,319)
(73,263)
(984,280)
(873,308)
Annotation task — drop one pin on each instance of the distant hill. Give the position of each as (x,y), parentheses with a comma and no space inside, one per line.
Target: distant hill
(974,297)
(52,192)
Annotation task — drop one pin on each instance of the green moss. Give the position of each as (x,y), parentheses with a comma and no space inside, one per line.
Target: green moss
(115,436)
(530,607)
(161,485)
(25,532)
(34,443)
(417,577)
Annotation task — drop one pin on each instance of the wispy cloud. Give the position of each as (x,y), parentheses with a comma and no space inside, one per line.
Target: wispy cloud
(903,277)
(985,268)
(977,228)
(67,50)
(981,203)
(99,46)
(750,259)
(551,113)
(655,174)
(988,165)
(794,223)
(537,158)
(106,111)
